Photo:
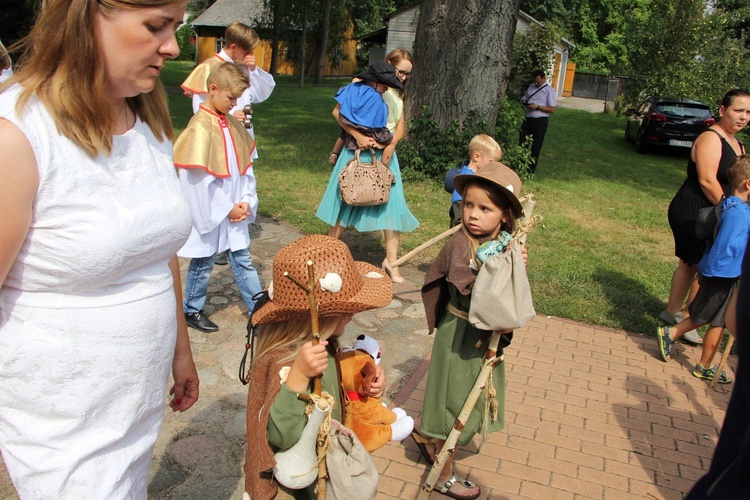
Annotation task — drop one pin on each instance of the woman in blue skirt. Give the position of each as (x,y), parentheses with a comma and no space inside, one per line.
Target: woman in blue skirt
(392,217)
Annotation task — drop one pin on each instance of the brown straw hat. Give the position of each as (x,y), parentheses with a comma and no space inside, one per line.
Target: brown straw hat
(501,176)
(342,286)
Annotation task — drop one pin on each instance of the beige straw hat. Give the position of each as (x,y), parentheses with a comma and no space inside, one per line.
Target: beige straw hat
(342,286)
(501,176)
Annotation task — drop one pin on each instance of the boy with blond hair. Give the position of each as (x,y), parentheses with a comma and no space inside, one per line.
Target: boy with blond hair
(483,149)
(213,157)
(720,270)
(240,41)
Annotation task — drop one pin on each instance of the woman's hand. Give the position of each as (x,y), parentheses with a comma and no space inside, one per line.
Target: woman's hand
(185,388)
(311,361)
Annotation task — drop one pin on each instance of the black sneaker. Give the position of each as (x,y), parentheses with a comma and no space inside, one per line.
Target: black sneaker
(221,259)
(200,321)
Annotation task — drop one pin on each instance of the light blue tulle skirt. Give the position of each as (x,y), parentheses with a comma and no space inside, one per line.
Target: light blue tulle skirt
(394,214)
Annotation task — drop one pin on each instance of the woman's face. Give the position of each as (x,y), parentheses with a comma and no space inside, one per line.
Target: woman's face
(135,43)
(735,117)
(403,69)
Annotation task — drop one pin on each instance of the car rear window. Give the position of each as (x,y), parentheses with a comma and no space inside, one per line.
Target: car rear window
(682,110)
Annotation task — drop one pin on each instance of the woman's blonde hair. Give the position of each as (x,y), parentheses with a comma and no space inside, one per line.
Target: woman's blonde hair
(5,61)
(61,64)
(291,334)
(396,56)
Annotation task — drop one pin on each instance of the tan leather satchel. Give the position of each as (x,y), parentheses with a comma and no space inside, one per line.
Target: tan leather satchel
(365,184)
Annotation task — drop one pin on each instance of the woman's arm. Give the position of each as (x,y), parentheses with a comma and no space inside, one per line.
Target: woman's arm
(363,141)
(707,154)
(397,136)
(20,175)
(185,388)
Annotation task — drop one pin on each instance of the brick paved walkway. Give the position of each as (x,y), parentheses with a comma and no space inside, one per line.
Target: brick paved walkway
(590,412)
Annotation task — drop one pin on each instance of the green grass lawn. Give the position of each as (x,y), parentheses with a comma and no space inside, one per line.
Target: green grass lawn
(604,254)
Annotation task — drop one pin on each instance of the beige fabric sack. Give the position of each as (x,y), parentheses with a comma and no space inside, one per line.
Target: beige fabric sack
(501,297)
(351,471)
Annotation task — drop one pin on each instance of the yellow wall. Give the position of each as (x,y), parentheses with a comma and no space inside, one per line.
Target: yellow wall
(206,48)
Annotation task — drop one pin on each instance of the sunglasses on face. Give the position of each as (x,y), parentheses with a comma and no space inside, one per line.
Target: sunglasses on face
(403,73)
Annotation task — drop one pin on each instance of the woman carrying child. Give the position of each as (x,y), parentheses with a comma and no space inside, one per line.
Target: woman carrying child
(394,216)
(490,209)
(285,360)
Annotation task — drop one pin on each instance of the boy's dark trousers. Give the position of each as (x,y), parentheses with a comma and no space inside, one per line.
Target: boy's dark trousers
(536,128)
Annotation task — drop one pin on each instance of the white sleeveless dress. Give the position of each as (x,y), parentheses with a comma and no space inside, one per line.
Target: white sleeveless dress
(87,314)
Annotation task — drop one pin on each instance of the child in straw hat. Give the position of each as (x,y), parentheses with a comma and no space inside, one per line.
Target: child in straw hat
(489,211)
(285,360)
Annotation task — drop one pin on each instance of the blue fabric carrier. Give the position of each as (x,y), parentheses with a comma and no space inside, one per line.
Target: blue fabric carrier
(363,105)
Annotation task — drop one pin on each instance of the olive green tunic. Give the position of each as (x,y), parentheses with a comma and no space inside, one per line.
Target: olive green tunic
(458,348)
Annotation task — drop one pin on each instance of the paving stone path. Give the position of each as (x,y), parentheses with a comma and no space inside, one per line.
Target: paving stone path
(590,412)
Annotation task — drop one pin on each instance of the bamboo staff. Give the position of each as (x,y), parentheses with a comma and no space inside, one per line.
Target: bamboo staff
(491,359)
(723,361)
(321,444)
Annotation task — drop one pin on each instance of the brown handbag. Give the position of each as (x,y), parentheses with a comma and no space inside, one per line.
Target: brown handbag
(365,184)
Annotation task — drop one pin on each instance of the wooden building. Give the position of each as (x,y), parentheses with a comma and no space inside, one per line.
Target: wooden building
(210,25)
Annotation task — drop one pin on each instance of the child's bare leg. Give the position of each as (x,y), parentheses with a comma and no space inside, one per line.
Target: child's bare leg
(336,151)
(677,331)
(691,295)
(447,472)
(711,345)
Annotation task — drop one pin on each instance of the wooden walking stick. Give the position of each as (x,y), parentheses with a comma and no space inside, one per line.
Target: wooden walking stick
(491,359)
(321,443)
(723,361)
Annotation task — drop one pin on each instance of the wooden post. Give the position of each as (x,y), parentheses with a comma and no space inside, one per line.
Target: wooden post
(723,362)
(321,443)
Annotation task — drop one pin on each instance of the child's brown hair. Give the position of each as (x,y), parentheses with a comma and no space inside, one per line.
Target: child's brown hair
(241,35)
(228,76)
(738,171)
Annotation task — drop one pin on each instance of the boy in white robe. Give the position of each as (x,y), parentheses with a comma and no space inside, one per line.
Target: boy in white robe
(213,156)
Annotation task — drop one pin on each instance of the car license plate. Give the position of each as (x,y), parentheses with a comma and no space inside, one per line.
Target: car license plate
(684,144)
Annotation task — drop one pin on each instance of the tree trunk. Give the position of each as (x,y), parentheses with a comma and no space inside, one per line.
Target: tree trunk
(462,57)
(323,46)
(278,9)
(303,45)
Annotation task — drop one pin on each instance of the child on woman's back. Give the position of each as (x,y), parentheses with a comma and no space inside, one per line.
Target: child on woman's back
(285,361)
(482,150)
(720,270)
(213,157)
(490,207)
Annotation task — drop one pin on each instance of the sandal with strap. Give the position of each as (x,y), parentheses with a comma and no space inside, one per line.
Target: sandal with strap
(422,443)
(445,489)
(389,269)
(332,159)
(665,342)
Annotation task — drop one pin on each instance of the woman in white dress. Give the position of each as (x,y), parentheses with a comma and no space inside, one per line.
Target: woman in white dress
(92,216)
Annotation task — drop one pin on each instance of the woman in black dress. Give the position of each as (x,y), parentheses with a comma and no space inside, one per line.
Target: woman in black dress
(705,185)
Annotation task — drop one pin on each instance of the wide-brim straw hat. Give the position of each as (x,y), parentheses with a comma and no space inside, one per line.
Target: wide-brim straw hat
(382,72)
(501,176)
(342,286)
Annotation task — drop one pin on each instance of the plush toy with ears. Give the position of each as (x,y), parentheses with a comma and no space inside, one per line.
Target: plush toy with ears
(369,418)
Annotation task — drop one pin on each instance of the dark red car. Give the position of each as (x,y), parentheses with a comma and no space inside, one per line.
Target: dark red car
(663,121)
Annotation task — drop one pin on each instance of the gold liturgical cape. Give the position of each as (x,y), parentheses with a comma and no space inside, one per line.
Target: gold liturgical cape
(195,83)
(202,144)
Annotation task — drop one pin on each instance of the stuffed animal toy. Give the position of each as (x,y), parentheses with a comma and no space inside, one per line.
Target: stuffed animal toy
(369,418)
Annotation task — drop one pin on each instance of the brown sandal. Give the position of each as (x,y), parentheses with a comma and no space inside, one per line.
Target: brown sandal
(422,443)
